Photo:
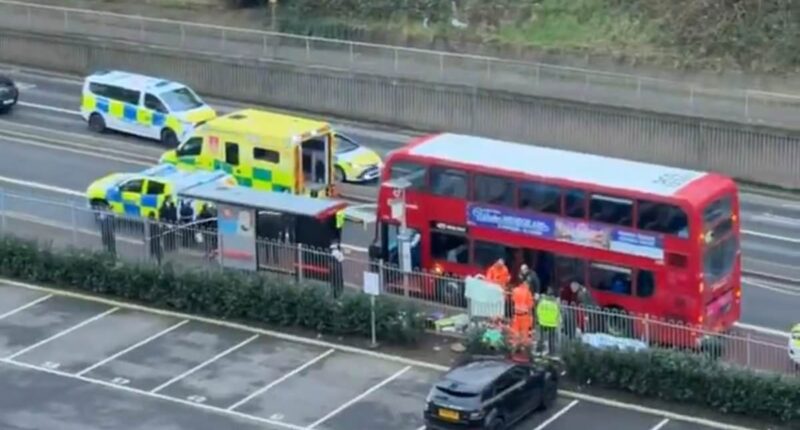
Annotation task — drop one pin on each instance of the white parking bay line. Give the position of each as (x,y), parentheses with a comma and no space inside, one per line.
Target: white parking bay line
(130,348)
(359,397)
(25,306)
(61,333)
(204,364)
(660,424)
(161,397)
(556,415)
(281,379)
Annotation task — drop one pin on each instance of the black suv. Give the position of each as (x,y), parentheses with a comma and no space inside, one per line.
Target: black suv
(8,94)
(490,393)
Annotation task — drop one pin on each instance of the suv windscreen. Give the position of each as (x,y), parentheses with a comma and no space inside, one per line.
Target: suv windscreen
(181,99)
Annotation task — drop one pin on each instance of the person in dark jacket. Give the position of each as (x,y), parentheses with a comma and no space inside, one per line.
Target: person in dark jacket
(186,217)
(530,277)
(168,215)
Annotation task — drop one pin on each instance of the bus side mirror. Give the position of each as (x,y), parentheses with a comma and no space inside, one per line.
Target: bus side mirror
(375,251)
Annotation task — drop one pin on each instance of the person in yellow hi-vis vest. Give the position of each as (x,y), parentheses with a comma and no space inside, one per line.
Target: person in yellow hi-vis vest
(794,345)
(548,317)
(340,219)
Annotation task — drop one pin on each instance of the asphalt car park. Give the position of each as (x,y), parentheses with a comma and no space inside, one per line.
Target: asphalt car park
(75,363)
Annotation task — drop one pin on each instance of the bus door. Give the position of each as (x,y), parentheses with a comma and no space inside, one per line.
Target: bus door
(317,164)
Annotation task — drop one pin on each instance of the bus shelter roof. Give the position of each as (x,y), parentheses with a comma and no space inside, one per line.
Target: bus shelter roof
(220,192)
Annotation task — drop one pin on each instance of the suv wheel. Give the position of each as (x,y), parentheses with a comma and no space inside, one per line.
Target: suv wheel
(168,138)
(497,424)
(549,392)
(96,123)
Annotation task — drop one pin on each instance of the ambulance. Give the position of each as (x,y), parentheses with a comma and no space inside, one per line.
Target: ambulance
(263,150)
(143,106)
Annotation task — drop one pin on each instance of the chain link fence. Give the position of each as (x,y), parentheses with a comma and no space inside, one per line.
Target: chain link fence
(449,308)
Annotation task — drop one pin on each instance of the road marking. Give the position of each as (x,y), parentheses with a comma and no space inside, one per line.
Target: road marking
(62,333)
(157,396)
(777,219)
(773,288)
(319,343)
(40,186)
(661,424)
(50,108)
(359,397)
(555,416)
(269,386)
(25,306)
(763,330)
(205,363)
(770,236)
(73,149)
(131,348)
(24,86)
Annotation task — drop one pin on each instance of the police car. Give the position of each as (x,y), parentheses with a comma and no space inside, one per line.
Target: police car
(354,162)
(140,195)
(9,94)
(142,105)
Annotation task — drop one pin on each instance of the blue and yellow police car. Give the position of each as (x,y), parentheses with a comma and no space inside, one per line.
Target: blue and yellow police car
(141,195)
(142,105)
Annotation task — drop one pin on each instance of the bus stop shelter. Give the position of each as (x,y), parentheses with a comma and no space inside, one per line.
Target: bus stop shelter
(279,232)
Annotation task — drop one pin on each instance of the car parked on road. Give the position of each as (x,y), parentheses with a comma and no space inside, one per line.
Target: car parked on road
(490,393)
(355,162)
(9,94)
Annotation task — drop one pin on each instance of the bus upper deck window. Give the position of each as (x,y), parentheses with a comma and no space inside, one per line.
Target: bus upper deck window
(662,218)
(611,210)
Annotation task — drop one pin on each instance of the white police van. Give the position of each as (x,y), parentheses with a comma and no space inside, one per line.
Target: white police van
(142,105)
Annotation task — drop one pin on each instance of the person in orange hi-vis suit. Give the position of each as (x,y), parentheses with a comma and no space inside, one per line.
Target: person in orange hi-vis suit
(522,322)
(498,273)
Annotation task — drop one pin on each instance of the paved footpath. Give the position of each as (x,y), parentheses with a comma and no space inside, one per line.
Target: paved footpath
(74,363)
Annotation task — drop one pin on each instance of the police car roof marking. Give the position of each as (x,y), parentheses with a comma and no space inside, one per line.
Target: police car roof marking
(181,180)
(248,197)
(557,164)
(135,81)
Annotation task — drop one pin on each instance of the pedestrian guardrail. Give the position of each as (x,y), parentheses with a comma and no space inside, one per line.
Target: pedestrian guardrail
(572,83)
(70,225)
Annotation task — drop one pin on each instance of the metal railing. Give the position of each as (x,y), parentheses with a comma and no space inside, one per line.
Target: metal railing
(572,83)
(195,244)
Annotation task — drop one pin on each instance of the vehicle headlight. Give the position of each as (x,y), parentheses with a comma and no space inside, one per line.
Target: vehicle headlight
(476,415)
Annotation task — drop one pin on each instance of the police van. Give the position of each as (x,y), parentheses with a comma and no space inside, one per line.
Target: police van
(142,105)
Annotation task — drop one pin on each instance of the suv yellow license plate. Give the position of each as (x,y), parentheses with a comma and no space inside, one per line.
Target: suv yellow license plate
(448,414)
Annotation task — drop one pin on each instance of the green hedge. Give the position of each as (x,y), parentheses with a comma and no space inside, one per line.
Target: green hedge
(675,376)
(231,295)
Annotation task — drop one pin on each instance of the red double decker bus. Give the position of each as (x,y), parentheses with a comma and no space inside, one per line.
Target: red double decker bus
(645,238)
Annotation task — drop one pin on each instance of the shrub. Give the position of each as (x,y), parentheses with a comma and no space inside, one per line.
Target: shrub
(676,376)
(255,297)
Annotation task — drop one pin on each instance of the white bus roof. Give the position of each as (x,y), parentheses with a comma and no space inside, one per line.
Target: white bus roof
(557,164)
(133,81)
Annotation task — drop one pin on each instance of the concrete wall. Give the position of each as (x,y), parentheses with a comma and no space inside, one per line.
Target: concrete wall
(757,154)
